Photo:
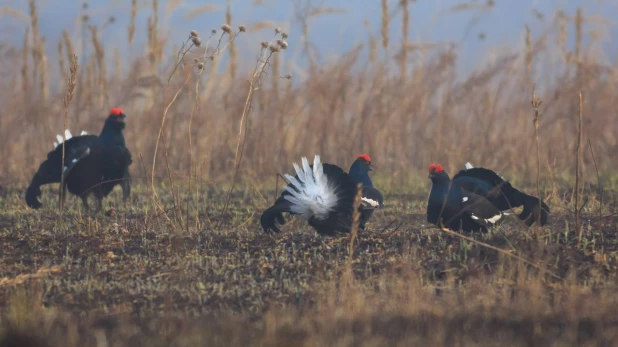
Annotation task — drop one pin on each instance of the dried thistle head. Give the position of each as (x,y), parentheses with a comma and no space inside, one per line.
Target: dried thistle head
(264,44)
(200,66)
(536,101)
(194,33)
(226,28)
(284,35)
(273,48)
(196,41)
(282,44)
(213,31)
(277,30)
(242,28)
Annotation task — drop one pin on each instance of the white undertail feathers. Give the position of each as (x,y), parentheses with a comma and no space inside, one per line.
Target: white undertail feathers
(67,135)
(493,220)
(311,194)
(369,203)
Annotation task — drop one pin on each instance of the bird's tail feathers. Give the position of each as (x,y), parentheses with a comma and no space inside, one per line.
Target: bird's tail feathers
(60,139)
(532,211)
(47,173)
(67,135)
(33,193)
(309,192)
(274,215)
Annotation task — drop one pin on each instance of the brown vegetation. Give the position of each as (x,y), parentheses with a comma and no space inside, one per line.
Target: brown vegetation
(185,263)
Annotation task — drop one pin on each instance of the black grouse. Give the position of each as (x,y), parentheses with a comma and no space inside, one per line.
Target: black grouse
(323,194)
(476,198)
(67,135)
(93,164)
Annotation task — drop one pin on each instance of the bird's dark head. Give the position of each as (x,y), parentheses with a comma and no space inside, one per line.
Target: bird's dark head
(116,118)
(359,171)
(437,173)
(362,163)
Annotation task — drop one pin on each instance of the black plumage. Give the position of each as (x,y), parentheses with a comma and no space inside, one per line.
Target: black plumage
(475,199)
(502,194)
(371,198)
(323,194)
(93,165)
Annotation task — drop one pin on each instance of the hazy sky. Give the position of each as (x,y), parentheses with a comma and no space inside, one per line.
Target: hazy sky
(431,20)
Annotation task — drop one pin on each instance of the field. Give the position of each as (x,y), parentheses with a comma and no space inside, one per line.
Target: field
(128,278)
(185,261)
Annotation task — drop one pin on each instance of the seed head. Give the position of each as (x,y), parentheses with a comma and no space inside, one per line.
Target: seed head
(277,30)
(196,41)
(200,66)
(273,48)
(226,28)
(264,44)
(287,77)
(194,33)
(282,44)
(242,28)
(213,31)
(284,35)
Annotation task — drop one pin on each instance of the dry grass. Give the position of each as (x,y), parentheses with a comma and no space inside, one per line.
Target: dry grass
(185,263)
(430,115)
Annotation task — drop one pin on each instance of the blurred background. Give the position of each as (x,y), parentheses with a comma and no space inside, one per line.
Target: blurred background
(409,82)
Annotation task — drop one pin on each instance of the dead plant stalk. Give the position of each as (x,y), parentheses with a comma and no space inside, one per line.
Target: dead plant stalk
(355,221)
(71,81)
(196,103)
(578,160)
(253,82)
(181,54)
(536,103)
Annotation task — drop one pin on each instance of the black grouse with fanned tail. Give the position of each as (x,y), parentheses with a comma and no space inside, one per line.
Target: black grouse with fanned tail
(475,199)
(323,194)
(93,164)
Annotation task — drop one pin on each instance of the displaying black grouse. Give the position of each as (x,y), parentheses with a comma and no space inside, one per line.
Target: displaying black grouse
(323,194)
(93,164)
(67,135)
(476,198)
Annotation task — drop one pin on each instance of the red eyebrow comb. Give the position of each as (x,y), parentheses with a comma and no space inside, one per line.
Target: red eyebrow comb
(365,157)
(116,111)
(437,168)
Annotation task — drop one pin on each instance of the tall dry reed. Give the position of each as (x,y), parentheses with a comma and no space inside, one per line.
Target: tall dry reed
(353,104)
